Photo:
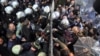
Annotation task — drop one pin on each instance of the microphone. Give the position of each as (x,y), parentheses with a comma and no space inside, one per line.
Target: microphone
(96,6)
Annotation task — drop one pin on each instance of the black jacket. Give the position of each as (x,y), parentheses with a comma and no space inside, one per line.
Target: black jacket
(4,51)
(70,46)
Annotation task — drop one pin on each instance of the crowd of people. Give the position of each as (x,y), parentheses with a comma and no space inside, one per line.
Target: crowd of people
(25,27)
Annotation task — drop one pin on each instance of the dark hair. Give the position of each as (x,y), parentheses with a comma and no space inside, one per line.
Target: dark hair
(64,53)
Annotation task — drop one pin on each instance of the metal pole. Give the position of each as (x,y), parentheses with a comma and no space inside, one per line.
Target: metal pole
(51,32)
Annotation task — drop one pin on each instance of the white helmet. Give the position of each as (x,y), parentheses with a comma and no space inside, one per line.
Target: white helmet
(3,1)
(57,14)
(42,54)
(53,16)
(8,9)
(16,49)
(20,14)
(46,9)
(34,7)
(28,11)
(65,21)
(15,4)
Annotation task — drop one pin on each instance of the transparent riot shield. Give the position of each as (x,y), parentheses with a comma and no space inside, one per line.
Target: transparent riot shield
(83,46)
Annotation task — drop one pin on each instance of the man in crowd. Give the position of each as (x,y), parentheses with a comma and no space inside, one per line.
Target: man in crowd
(26,23)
